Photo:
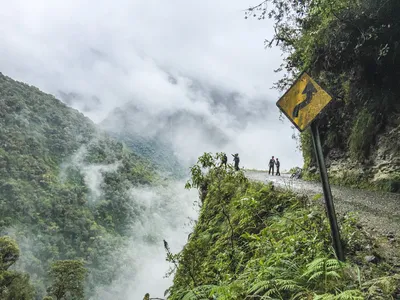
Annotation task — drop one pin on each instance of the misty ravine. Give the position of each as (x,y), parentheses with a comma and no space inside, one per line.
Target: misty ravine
(166,212)
(70,193)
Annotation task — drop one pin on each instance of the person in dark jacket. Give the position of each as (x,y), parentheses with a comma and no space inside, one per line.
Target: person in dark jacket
(271,166)
(224,160)
(278,165)
(236,160)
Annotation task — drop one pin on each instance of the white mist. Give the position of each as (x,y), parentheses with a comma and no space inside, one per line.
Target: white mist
(165,213)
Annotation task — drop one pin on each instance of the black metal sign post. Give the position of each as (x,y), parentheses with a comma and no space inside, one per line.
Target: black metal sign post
(330,208)
(302,112)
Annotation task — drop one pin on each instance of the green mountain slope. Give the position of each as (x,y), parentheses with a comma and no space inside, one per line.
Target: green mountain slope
(156,151)
(146,135)
(64,185)
(252,241)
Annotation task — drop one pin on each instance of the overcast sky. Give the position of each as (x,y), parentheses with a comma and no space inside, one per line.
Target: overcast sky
(121,51)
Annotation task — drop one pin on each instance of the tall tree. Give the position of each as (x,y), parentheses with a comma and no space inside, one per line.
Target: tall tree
(13,285)
(68,279)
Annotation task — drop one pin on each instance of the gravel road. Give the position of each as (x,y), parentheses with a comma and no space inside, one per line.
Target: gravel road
(378,211)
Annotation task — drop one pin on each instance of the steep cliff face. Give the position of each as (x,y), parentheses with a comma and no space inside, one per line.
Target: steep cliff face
(352,49)
(365,159)
(355,60)
(381,170)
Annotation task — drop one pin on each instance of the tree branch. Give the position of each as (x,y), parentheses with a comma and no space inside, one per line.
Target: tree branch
(255,7)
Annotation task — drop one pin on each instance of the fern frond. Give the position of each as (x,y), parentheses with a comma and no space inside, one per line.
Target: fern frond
(287,285)
(260,287)
(324,297)
(345,295)
(323,267)
(303,295)
(199,293)
(333,274)
(316,275)
(350,295)
(388,283)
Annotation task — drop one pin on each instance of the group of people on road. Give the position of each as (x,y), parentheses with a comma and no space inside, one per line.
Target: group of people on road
(272,163)
(236,160)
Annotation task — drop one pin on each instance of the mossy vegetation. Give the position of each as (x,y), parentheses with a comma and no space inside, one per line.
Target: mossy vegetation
(351,179)
(358,180)
(361,136)
(253,241)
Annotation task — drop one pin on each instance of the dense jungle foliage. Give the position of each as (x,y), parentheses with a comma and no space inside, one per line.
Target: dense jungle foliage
(254,242)
(352,48)
(64,193)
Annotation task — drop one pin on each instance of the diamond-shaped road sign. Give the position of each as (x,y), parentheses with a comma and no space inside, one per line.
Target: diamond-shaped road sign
(304,100)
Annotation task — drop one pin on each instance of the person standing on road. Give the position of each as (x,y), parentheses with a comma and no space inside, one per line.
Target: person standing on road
(236,160)
(271,166)
(278,165)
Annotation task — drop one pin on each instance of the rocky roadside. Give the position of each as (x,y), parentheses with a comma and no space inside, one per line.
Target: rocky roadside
(378,212)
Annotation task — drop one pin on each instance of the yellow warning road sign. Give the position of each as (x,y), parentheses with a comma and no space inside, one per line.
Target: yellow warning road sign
(303,101)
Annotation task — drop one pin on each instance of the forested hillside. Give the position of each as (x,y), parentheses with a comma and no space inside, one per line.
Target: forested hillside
(126,125)
(252,241)
(352,49)
(64,193)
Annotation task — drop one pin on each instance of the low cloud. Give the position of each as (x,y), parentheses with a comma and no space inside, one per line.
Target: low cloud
(92,173)
(165,212)
(200,57)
